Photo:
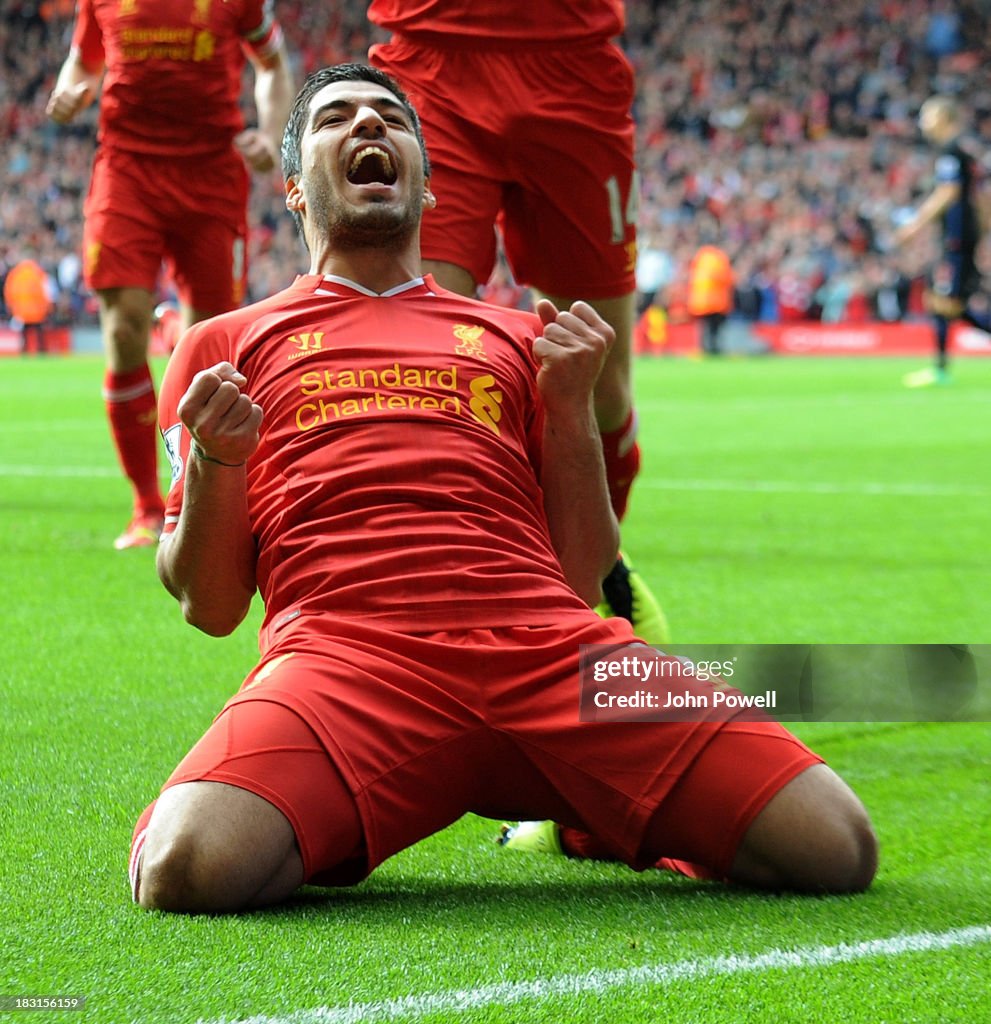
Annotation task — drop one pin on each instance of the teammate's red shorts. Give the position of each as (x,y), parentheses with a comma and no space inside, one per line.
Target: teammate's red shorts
(190,213)
(543,141)
(425,728)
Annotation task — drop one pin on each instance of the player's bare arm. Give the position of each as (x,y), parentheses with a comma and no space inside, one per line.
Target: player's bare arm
(274,92)
(940,199)
(582,525)
(75,89)
(208,562)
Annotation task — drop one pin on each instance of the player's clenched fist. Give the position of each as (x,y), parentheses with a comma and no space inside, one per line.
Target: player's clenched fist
(221,419)
(66,101)
(570,352)
(257,149)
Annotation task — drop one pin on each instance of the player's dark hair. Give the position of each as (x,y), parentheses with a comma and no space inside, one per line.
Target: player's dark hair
(299,115)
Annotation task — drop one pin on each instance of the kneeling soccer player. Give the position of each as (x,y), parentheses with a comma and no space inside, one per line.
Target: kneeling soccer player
(428,523)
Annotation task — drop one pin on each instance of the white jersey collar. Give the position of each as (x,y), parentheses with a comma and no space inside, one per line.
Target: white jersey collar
(331,279)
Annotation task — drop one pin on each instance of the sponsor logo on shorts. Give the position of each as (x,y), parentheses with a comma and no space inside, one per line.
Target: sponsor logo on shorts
(631,256)
(266,670)
(92,257)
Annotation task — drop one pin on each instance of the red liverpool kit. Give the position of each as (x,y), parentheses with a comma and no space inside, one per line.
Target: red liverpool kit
(420,645)
(394,482)
(173,80)
(526,114)
(167,183)
(482,22)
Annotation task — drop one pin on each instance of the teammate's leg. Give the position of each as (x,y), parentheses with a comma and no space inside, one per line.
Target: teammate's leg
(943,309)
(129,394)
(942,339)
(477,177)
(614,397)
(452,277)
(123,245)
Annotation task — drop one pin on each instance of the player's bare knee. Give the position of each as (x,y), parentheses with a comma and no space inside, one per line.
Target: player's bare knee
(127,340)
(179,876)
(165,882)
(843,852)
(126,319)
(814,835)
(853,864)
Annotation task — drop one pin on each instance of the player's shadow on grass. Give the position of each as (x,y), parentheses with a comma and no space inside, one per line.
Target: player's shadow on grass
(617,907)
(434,900)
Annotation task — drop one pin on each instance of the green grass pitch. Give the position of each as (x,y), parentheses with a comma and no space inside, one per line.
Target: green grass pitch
(781,501)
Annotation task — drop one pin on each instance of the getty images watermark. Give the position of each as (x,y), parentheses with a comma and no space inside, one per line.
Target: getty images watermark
(640,683)
(790,682)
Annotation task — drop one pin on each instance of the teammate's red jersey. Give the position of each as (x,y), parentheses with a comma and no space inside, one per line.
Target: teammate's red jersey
(173,80)
(395,480)
(494,22)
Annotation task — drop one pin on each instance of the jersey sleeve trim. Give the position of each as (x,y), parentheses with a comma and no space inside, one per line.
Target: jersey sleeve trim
(265,40)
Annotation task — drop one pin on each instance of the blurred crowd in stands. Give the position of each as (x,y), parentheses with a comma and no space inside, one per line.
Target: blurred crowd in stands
(782,131)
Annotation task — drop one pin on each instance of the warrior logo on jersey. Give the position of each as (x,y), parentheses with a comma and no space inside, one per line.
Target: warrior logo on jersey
(470,339)
(486,404)
(306,343)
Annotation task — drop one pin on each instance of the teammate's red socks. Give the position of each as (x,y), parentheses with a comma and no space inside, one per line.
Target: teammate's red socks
(622,455)
(131,409)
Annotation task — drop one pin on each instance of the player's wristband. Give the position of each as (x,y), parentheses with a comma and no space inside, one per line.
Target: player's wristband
(203,457)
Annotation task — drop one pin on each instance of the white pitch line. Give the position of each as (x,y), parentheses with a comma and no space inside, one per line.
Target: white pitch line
(455,1001)
(906,490)
(772,404)
(60,471)
(51,426)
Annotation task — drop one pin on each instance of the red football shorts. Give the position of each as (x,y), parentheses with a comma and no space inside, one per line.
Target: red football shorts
(540,141)
(412,732)
(143,210)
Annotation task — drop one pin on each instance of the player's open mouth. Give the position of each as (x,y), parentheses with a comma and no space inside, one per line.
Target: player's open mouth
(371,165)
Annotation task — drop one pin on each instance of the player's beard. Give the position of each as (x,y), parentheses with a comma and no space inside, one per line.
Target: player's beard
(373,225)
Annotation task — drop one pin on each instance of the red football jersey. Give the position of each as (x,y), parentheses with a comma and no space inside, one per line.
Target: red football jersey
(173,80)
(478,22)
(396,478)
